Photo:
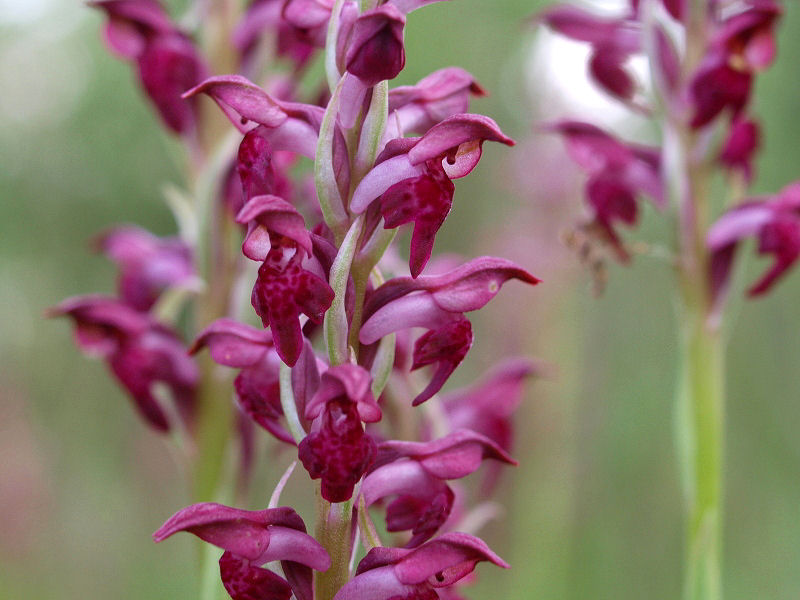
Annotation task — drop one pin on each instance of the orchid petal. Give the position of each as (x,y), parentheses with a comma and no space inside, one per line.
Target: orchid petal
(443,137)
(233,344)
(241,100)
(273,214)
(380,178)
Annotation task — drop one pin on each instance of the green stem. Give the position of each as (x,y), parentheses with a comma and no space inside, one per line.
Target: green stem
(335,326)
(700,395)
(333,532)
(288,404)
(214,422)
(700,400)
(700,442)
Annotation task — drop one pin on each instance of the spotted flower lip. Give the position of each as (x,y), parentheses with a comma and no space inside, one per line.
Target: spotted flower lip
(148,264)
(284,290)
(337,450)
(424,201)
(255,166)
(775,221)
(244,581)
(386,573)
(431,300)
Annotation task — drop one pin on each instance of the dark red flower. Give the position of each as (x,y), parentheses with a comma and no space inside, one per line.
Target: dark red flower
(140,353)
(375,49)
(775,221)
(148,265)
(167,61)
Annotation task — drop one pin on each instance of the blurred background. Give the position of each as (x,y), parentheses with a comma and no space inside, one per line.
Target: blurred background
(593,510)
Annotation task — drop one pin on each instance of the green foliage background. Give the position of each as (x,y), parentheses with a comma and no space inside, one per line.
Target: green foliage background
(594,509)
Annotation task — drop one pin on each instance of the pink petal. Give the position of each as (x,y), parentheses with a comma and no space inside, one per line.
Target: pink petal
(233,344)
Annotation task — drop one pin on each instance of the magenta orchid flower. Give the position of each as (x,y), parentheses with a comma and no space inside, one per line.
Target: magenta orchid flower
(740,147)
(257,385)
(718,86)
(747,36)
(742,45)
(446,347)
(775,221)
(415,474)
(432,300)
(412,177)
(613,42)
(250,539)
(139,351)
(266,16)
(337,450)
(148,265)
(618,173)
(442,94)
(437,303)
(310,16)
(256,164)
(265,214)
(488,406)
(167,60)
(375,49)
(287,125)
(417,574)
